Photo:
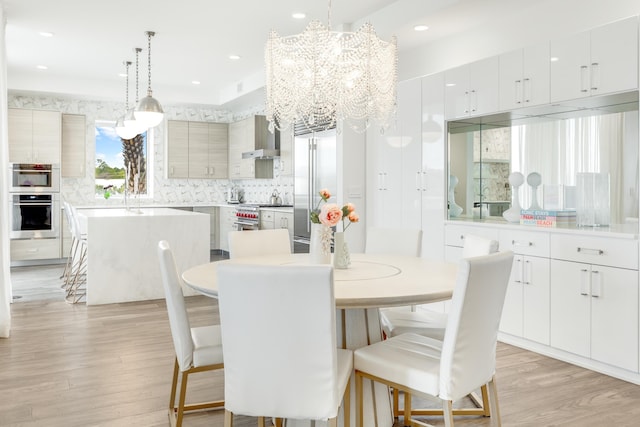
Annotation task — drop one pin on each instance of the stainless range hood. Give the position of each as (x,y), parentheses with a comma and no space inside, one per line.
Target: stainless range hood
(267,144)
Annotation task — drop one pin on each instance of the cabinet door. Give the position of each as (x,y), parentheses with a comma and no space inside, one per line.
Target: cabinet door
(73,145)
(218,150)
(535,299)
(198,148)
(484,84)
(569,70)
(227,218)
(456,93)
(511,84)
(177,149)
(535,76)
(285,220)
(570,307)
(286,152)
(511,321)
(235,149)
(20,123)
(433,166)
(409,118)
(614,316)
(614,57)
(47,136)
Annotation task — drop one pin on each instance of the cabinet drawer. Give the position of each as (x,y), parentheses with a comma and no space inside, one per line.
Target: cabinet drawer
(266,215)
(25,250)
(525,242)
(454,234)
(621,253)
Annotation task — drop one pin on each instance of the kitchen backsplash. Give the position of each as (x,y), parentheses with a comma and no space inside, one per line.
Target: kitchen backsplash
(80,191)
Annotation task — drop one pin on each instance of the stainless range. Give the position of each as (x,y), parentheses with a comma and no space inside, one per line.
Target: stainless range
(247,217)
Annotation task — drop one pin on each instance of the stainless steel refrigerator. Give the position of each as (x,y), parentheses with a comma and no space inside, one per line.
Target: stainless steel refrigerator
(315,164)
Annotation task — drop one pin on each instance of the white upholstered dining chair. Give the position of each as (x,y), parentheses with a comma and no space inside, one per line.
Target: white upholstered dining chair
(298,373)
(197,349)
(244,244)
(393,241)
(463,361)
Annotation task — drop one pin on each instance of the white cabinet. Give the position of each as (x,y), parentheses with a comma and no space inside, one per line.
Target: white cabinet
(472,89)
(245,135)
(73,146)
(227,218)
(405,164)
(601,61)
(277,218)
(524,77)
(594,298)
(286,152)
(34,136)
(594,312)
(35,249)
(196,149)
(526,307)
(454,238)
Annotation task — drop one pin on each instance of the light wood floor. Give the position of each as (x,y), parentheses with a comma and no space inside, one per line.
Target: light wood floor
(73,365)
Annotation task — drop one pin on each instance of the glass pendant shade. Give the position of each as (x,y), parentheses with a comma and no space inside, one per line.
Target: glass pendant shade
(124,131)
(133,124)
(149,111)
(321,76)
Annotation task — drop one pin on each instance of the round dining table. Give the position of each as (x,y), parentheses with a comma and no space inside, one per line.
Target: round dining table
(371,282)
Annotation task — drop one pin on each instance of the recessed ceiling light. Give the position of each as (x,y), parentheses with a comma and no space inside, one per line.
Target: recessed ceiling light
(298,15)
(554,59)
(122,75)
(195,82)
(421,28)
(42,67)
(450,84)
(45,34)
(234,57)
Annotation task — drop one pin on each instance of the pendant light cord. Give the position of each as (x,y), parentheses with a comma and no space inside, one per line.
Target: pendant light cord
(138,50)
(149,35)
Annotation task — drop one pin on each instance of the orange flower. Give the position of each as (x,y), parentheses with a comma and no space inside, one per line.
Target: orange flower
(330,214)
(350,207)
(353,217)
(324,193)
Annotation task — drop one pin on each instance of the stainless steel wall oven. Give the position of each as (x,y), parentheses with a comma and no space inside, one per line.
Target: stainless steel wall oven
(34,178)
(34,216)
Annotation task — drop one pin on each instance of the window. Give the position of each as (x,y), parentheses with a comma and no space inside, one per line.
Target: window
(119,162)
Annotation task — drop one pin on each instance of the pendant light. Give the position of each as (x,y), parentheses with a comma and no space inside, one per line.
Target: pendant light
(129,117)
(122,130)
(149,111)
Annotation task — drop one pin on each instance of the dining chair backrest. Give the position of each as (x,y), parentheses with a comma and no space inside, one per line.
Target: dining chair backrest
(244,244)
(176,308)
(469,348)
(477,245)
(393,241)
(289,374)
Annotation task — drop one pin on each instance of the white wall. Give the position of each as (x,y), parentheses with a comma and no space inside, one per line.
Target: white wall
(533,22)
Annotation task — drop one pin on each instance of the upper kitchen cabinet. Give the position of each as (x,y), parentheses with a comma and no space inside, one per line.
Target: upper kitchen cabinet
(524,77)
(251,135)
(286,152)
(73,145)
(472,89)
(208,150)
(177,149)
(601,61)
(196,149)
(34,136)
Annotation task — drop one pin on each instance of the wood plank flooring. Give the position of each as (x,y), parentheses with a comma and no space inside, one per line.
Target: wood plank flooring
(110,366)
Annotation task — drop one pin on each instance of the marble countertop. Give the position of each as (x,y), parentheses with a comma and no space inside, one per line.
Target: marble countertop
(143,212)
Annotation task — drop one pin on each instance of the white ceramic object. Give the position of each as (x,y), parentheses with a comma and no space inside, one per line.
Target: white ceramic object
(516,179)
(534,180)
(454,209)
(341,256)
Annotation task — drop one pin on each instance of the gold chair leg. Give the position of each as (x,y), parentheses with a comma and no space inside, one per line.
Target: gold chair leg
(261,422)
(228,418)
(407,408)
(347,404)
(174,386)
(396,403)
(359,405)
(183,395)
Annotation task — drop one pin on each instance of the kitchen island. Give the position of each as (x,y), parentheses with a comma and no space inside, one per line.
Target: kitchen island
(122,259)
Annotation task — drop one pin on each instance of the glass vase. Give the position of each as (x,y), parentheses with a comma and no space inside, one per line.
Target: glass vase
(320,244)
(341,256)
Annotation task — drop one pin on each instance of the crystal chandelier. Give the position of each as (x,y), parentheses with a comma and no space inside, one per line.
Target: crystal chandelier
(321,76)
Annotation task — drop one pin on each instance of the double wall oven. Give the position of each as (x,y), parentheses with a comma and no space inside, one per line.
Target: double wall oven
(34,203)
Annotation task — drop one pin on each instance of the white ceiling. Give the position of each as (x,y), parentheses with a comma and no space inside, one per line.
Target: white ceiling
(193,41)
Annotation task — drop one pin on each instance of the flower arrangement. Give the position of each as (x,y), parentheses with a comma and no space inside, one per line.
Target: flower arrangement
(330,214)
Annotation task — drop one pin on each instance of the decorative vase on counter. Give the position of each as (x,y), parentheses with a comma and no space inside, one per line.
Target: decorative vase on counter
(516,179)
(341,256)
(454,209)
(320,244)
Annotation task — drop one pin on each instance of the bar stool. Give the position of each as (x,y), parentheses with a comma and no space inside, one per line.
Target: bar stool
(76,270)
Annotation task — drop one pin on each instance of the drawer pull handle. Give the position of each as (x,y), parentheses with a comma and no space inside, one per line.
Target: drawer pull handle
(591,251)
(516,243)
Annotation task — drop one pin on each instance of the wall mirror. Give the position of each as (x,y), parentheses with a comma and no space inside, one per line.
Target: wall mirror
(550,147)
